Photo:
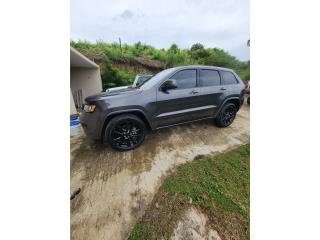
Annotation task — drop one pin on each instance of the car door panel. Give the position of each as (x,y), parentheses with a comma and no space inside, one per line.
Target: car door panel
(176,106)
(210,97)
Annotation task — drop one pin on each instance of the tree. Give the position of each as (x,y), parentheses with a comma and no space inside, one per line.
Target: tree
(174,48)
(198,51)
(196,47)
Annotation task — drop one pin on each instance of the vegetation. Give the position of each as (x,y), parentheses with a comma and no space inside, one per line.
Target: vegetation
(118,63)
(219,186)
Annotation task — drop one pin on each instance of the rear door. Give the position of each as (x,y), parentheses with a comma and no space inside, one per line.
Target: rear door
(210,91)
(181,104)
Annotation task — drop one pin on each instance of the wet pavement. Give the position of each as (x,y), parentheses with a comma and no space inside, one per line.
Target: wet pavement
(116,187)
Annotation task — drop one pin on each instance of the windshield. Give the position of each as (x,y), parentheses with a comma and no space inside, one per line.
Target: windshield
(153,80)
(141,80)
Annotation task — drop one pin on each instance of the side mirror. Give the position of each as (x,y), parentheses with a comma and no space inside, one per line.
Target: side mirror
(169,84)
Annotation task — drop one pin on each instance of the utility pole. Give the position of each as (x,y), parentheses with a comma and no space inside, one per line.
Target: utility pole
(120,45)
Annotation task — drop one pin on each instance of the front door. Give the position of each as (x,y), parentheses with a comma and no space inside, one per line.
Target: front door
(181,104)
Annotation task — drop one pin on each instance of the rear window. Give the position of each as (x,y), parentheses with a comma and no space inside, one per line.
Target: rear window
(209,78)
(228,78)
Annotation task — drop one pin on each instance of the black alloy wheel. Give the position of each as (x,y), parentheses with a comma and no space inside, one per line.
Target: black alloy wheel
(125,132)
(227,115)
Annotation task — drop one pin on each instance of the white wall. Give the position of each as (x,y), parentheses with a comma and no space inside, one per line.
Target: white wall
(72,106)
(87,79)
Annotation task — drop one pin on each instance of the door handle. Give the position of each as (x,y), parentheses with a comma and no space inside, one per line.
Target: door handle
(223,89)
(194,92)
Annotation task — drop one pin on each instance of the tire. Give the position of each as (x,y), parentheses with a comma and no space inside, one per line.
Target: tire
(125,132)
(226,115)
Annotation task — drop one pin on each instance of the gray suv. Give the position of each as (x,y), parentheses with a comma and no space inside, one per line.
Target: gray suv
(171,97)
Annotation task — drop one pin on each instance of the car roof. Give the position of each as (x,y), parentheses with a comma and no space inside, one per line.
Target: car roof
(201,66)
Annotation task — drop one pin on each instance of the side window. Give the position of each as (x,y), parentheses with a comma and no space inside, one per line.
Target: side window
(209,78)
(186,78)
(228,78)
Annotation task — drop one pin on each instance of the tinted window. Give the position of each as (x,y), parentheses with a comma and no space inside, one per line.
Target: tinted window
(209,78)
(186,79)
(228,78)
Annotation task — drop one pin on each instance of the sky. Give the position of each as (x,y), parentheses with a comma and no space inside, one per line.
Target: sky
(214,23)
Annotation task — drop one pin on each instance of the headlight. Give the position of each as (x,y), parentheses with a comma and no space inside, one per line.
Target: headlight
(89,108)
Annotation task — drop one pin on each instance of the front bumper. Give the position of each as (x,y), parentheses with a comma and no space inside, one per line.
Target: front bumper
(90,123)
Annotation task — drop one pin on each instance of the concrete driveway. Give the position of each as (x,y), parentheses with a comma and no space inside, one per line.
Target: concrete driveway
(116,187)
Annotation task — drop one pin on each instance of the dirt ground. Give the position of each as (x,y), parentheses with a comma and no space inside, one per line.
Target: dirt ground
(116,187)
(193,226)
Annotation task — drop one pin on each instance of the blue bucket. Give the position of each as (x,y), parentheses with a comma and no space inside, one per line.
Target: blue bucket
(75,127)
(74,122)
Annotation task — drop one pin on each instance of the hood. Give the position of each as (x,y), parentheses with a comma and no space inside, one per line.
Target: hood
(113,93)
(116,88)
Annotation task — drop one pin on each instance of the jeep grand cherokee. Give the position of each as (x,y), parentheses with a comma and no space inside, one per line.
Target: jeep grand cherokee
(171,97)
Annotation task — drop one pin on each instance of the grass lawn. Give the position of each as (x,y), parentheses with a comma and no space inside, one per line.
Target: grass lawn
(219,186)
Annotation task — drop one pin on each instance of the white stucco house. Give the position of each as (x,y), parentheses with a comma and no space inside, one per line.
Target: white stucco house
(85,79)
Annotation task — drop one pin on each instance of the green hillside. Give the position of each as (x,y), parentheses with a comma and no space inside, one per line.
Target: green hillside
(119,65)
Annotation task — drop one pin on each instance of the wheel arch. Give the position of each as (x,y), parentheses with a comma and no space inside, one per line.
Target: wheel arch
(235,100)
(136,112)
